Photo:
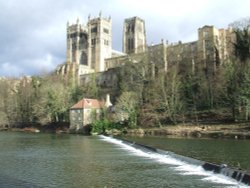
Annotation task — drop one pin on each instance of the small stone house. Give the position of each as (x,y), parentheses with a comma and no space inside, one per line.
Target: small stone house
(83,113)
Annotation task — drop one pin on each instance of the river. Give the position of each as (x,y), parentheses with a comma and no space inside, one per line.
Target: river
(48,160)
(233,152)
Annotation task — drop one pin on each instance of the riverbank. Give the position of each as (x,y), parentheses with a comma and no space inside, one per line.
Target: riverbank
(235,131)
(232,131)
(50,128)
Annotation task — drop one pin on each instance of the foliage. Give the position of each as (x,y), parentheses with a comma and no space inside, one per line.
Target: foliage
(145,91)
(127,108)
(169,97)
(242,44)
(241,29)
(3,96)
(238,89)
(244,92)
(90,88)
(100,126)
(36,100)
(76,94)
(102,122)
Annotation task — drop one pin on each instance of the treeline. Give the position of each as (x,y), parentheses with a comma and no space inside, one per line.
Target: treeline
(209,94)
(143,96)
(38,100)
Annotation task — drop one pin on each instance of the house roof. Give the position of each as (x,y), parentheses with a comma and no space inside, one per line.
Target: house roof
(87,103)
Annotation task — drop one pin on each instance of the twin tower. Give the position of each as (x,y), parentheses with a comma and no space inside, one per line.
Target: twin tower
(89,45)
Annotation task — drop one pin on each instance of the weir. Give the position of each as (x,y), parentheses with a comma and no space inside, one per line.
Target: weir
(236,174)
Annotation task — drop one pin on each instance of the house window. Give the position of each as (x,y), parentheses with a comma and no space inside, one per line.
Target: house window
(79,111)
(79,118)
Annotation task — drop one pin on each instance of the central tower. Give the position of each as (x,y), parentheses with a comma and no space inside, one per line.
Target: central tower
(134,35)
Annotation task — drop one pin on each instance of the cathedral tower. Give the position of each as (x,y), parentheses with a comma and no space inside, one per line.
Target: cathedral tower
(134,35)
(100,42)
(209,48)
(88,46)
(77,45)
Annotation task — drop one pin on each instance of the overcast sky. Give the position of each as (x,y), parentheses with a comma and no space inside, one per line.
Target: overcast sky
(33,32)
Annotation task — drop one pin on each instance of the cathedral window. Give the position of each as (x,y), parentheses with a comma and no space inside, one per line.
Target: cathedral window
(132,28)
(94,30)
(205,34)
(73,46)
(83,43)
(73,35)
(207,44)
(130,44)
(83,35)
(106,42)
(105,30)
(93,41)
(83,59)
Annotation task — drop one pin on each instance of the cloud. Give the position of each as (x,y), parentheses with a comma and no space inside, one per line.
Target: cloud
(9,69)
(43,64)
(33,32)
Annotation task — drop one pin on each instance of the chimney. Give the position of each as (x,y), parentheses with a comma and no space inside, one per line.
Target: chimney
(108,103)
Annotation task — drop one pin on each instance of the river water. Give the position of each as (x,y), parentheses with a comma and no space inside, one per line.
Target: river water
(47,160)
(235,153)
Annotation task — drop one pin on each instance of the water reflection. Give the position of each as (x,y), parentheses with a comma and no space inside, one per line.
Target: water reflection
(44,160)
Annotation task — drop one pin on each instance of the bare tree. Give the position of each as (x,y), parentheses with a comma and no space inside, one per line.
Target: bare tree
(127,108)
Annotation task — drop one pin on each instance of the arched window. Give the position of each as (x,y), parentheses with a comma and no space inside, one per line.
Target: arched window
(83,43)
(84,59)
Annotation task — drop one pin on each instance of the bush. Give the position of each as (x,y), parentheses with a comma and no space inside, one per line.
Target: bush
(100,126)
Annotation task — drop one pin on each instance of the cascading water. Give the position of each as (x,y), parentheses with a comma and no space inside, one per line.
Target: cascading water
(180,164)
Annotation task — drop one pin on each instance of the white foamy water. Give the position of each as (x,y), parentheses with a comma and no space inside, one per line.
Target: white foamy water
(179,166)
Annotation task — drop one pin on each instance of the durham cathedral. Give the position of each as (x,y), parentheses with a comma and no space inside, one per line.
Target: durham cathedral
(89,50)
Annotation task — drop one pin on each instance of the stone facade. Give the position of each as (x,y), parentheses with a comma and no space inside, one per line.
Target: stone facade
(134,36)
(89,49)
(82,114)
(89,46)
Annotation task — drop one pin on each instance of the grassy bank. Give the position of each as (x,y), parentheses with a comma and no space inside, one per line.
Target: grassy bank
(235,131)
